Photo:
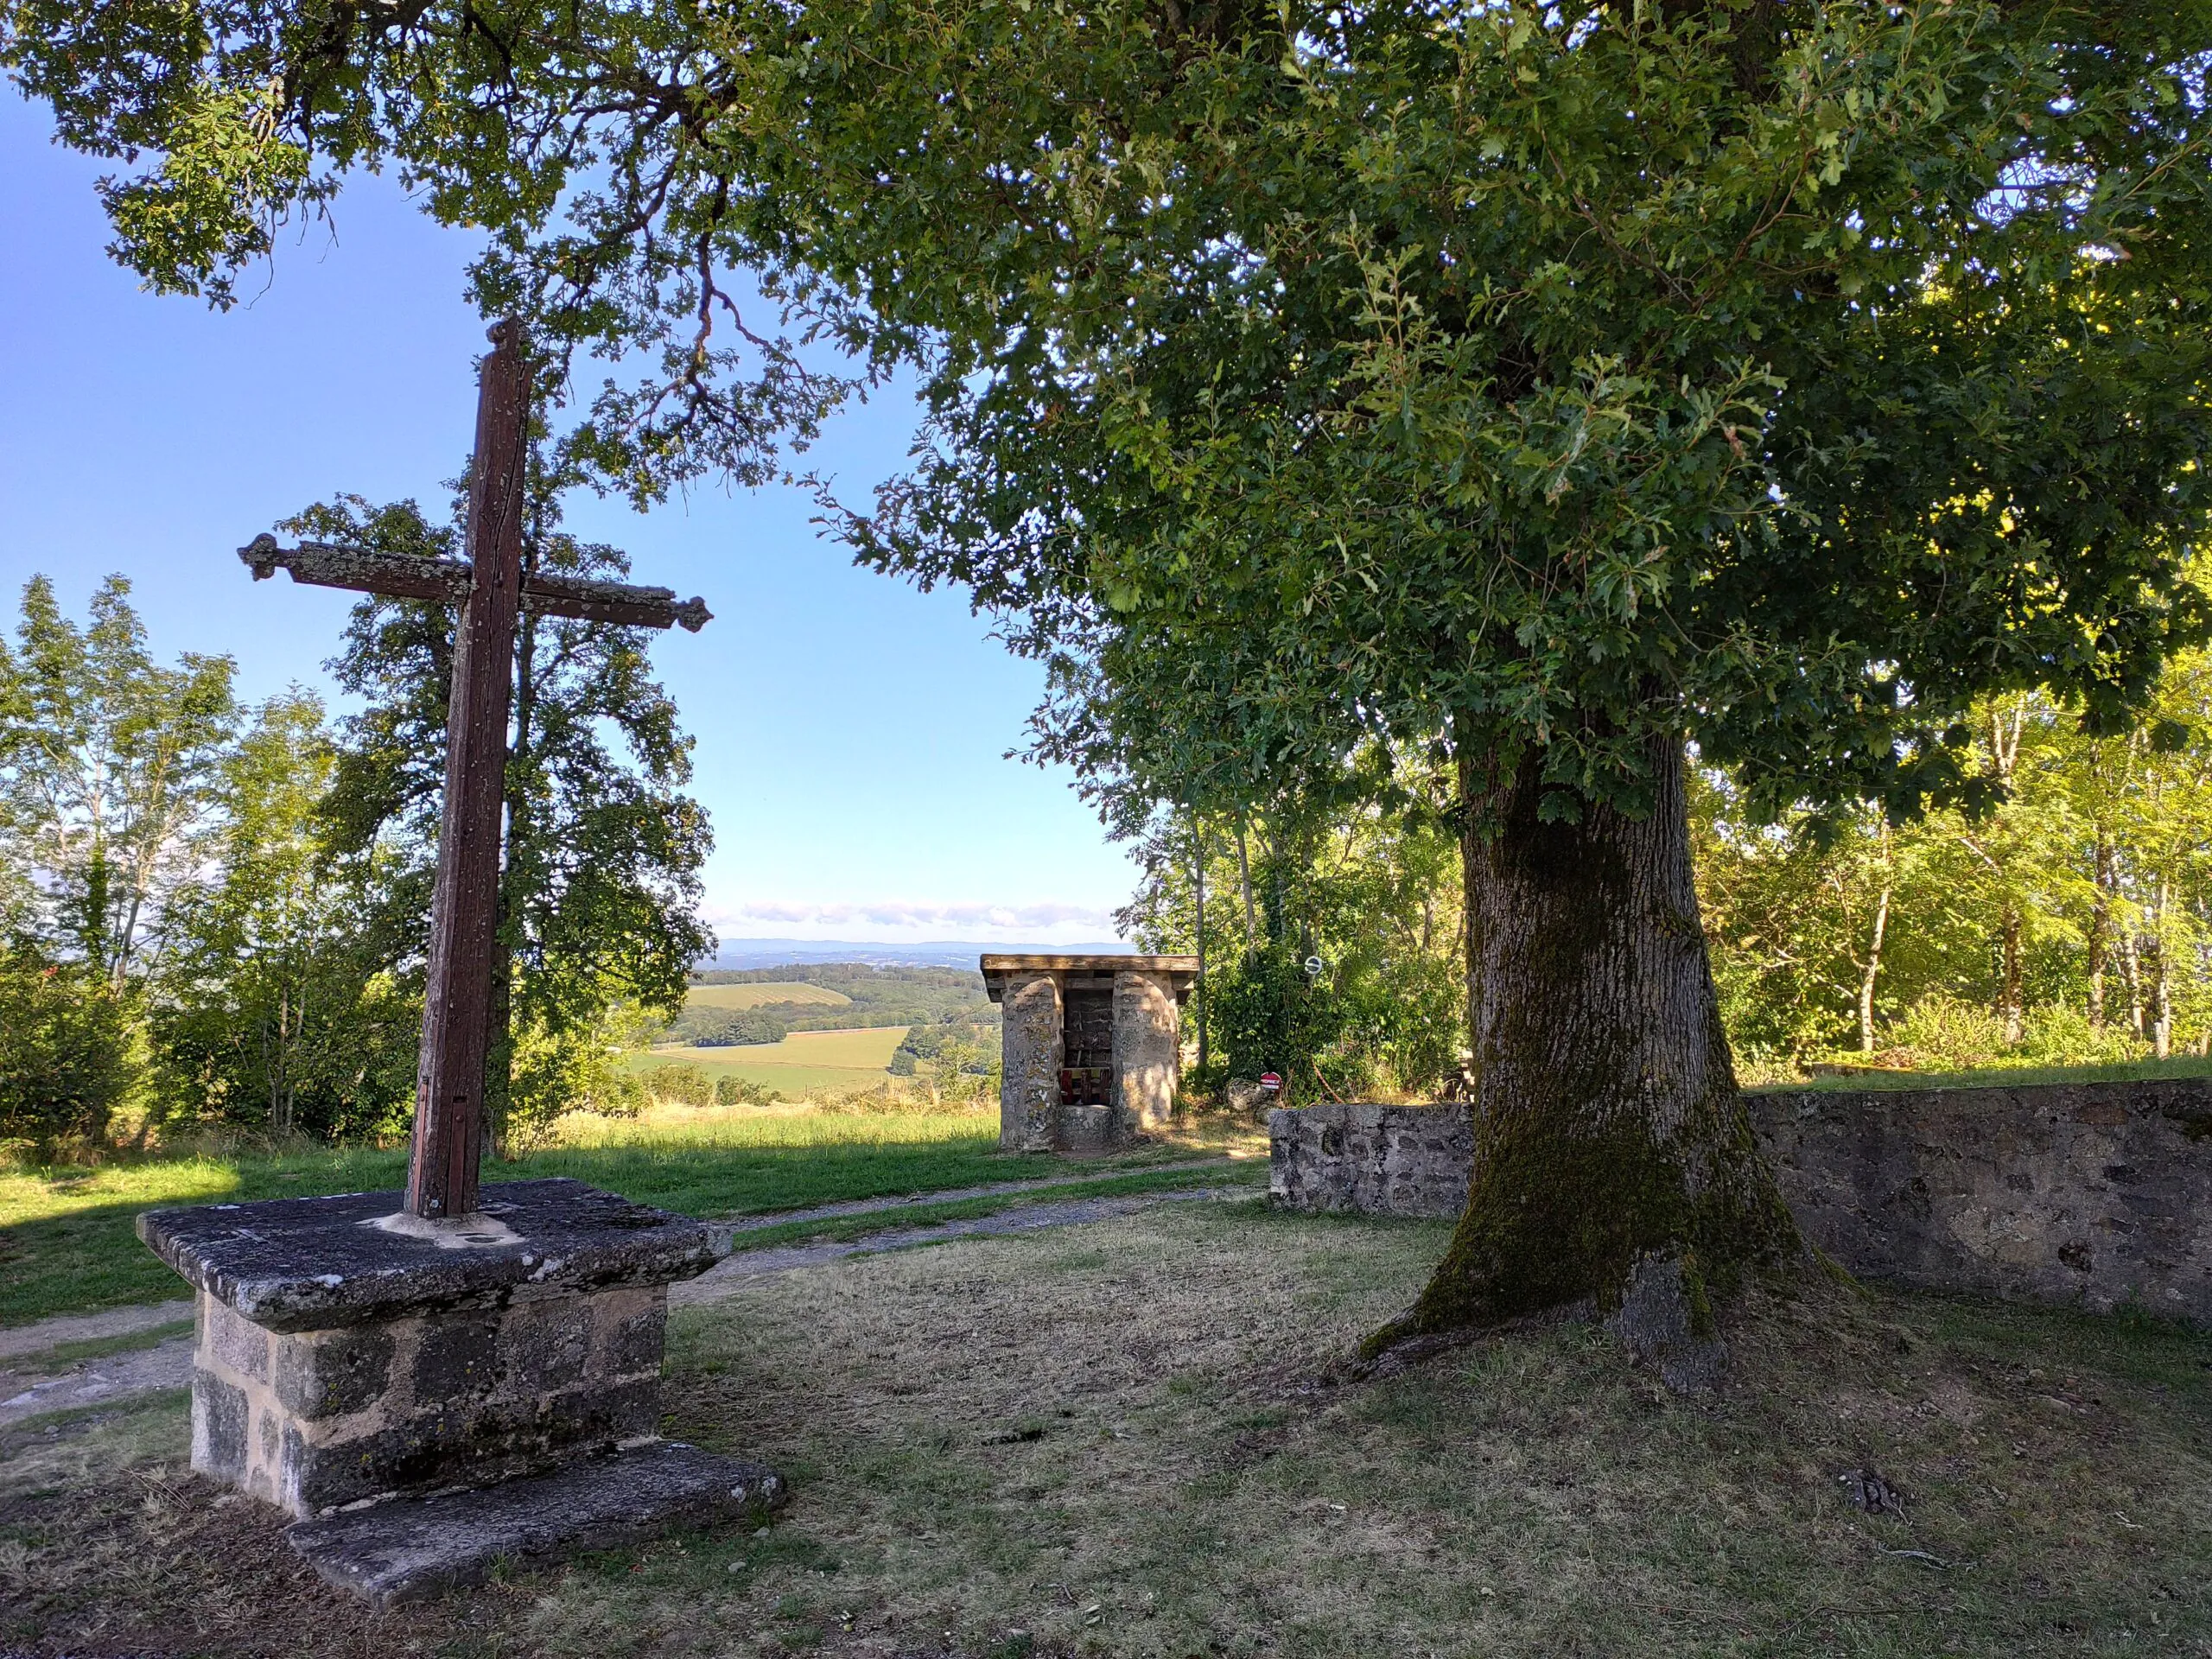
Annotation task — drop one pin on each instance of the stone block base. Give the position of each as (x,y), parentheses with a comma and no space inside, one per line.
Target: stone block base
(418,1547)
(348,1354)
(312,1420)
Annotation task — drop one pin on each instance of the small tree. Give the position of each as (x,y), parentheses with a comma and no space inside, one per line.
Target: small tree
(65,1059)
(109,776)
(269,1008)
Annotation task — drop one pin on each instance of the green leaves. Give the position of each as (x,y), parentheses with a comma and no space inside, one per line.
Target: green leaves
(600,893)
(212,207)
(1300,378)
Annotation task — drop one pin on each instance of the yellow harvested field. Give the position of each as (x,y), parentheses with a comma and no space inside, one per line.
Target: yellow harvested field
(739,997)
(806,1061)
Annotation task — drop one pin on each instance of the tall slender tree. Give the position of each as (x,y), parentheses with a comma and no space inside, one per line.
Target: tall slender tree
(110,774)
(599,891)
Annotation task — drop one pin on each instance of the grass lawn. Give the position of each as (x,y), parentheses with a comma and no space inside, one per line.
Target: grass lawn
(737,997)
(67,1242)
(1125,1440)
(805,1063)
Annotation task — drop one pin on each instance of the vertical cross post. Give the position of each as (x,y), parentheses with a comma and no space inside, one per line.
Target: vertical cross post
(449,1143)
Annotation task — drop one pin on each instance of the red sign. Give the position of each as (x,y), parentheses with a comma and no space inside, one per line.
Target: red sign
(1271,1082)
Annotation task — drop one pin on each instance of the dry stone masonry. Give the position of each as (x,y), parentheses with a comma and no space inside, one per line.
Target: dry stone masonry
(2098,1195)
(1092,1048)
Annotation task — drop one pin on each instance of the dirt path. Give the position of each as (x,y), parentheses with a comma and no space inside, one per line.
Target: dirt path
(726,1231)
(98,1381)
(733,1273)
(27,1339)
(28,1391)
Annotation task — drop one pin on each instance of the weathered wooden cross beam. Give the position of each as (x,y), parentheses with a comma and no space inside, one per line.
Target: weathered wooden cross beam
(490,587)
(398,576)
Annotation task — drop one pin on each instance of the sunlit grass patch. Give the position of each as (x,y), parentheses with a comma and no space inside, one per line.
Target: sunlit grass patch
(805,1063)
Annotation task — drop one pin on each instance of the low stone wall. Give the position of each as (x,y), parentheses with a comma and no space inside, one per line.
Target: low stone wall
(2093,1194)
(1378,1160)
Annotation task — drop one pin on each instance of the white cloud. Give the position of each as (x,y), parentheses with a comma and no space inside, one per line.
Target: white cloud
(902,921)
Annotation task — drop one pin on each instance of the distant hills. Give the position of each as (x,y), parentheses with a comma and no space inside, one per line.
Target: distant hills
(941,953)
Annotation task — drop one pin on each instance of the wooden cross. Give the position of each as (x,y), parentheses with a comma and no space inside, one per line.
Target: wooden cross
(490,588)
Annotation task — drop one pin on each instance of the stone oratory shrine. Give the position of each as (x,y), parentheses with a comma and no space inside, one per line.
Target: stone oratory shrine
(436,1380)
(1093,1047)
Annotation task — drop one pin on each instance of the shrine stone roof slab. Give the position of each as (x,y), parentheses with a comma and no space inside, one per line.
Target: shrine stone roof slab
(312,1264)
(1022,964)
(1177,971)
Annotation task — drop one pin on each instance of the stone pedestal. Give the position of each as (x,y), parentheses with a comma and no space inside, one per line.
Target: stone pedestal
(349,1354)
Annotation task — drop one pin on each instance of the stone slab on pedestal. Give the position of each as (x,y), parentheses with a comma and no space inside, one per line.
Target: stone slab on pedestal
(349,1354)
(418,1547)
(310,1264)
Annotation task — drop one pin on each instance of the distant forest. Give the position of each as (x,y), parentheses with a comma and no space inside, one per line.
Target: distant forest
(898,995)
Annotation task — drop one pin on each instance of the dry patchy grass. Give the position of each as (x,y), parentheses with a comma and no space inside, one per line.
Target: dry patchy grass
(1113,1441)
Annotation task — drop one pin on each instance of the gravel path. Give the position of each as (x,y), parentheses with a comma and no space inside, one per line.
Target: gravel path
(27,1339)
(110,1378)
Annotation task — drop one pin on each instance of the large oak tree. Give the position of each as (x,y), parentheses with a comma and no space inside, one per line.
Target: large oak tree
(1559,384)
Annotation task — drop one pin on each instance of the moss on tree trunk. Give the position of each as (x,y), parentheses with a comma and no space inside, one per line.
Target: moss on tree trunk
(1615,1168)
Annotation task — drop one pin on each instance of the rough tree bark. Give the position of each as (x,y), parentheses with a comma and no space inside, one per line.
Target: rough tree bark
(2012,995)
(1615,1169)
(2100,929)
(1870,978)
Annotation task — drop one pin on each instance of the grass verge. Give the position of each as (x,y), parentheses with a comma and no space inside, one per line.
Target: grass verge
(1116,1440)
(67,1242)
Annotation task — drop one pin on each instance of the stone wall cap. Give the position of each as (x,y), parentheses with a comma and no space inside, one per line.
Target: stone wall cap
(2171,1096)
(313,1264)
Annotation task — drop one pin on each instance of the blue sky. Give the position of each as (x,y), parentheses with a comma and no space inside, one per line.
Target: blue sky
(851,732)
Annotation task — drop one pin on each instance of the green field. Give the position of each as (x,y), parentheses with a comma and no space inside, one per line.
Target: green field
(805,1063)
(785,992)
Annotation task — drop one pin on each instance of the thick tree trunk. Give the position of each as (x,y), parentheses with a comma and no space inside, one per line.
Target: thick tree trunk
(1471,858)
(1615,1169)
